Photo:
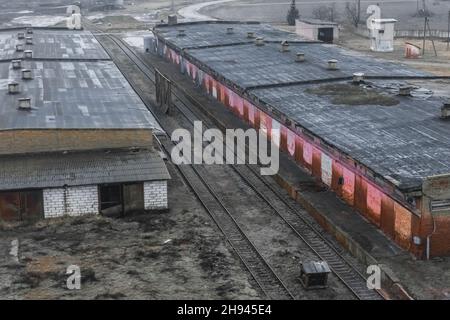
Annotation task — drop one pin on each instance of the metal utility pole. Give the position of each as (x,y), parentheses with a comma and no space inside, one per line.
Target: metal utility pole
(425,27)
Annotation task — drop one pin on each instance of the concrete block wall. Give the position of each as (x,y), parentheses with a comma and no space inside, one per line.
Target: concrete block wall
(155,195)
(71,201)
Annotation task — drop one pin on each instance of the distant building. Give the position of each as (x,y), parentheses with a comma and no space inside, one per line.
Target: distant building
(75,137)
(317,30)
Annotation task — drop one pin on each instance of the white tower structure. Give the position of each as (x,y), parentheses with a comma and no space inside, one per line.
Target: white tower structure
(381,30)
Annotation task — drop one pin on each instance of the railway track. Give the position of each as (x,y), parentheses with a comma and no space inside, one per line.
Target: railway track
(260,269)
(263,274)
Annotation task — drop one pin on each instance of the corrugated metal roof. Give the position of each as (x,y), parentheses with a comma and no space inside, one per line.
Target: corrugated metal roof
(404,143)
(250,65)
(72,95)
(84,168)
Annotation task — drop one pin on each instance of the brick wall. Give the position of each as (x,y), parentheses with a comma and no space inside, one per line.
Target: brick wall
(31,141)
(73,201)
(155,195)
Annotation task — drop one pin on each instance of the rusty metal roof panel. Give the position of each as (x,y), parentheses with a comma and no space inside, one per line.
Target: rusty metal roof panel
(84,168)
(52,44)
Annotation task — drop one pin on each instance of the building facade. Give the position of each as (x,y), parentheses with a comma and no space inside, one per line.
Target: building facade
(76,139)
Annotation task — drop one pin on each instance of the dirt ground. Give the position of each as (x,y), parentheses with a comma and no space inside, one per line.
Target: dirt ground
(179,254)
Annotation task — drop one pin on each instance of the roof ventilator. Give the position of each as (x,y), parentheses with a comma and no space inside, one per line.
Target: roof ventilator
(250,35)
(25,103)
(17,64)
(284,46)
(26,74)
(172,19)
(181,33)
(21,35)
(29,31)
(28,54)
(404,91)
(332,64)
(230,30)
(13,87)
(29,40)
(259,41)
(19,47)
(300,57)
(445,110)
(358,77)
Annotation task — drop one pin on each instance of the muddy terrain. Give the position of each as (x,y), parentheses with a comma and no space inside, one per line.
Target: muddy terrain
(178,254)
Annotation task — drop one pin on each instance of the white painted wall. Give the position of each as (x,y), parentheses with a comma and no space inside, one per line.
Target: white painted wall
(72,201)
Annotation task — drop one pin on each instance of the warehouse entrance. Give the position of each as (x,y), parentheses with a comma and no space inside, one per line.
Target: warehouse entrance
(21,205)
(325,35)
(120,199)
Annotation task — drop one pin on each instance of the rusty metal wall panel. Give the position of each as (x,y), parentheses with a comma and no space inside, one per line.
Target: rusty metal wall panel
(388,216)
(361,195)
(307,155)
(336,180)
(299,150)
(133,197)
(275,132)
(283,139)
(374,204)
(291,143)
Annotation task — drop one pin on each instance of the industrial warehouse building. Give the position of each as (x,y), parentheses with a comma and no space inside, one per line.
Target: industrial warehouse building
(351,120)
(74,137)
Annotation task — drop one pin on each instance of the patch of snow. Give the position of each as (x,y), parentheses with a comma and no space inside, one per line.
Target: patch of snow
(38,21)
(191,12)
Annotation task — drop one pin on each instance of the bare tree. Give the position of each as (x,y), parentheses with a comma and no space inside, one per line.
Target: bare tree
(292,14)
(324,12)
(353,11)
